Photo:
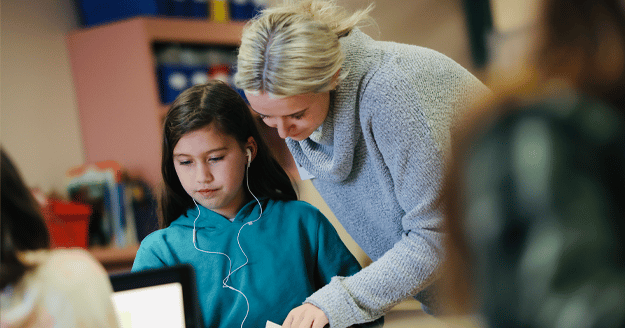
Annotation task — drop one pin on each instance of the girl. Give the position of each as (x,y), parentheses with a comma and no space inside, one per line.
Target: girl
(370,121)
(230,210)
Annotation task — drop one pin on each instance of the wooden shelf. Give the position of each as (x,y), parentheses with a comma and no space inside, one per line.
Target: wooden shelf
(193,31)
(179,30)
(115,259)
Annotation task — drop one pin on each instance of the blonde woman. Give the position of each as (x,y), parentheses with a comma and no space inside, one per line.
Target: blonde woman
(370,120)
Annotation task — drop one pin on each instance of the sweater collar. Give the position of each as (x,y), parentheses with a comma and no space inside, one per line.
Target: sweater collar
(329,154)
(210,219)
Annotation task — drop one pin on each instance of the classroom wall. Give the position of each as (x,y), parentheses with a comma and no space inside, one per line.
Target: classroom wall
(39,118)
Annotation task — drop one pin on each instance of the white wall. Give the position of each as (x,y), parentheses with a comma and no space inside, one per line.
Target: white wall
(39,118)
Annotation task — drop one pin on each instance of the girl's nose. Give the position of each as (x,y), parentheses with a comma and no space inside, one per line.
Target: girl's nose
(203,174)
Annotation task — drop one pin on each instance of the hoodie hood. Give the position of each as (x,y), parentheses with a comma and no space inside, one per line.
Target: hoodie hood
(210,219)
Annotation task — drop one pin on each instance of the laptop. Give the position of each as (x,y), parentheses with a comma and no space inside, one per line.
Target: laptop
(163,297)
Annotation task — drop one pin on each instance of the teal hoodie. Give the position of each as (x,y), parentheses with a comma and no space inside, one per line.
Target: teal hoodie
(293,250)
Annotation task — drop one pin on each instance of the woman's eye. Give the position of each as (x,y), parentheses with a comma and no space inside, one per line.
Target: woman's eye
(262,117)
(184,162)
(298,116)
(215,159)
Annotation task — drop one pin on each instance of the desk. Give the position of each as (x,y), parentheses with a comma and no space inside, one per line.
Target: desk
(408,314)
(115,259)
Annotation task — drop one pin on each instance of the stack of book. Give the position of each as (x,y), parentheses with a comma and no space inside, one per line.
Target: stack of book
(123,210)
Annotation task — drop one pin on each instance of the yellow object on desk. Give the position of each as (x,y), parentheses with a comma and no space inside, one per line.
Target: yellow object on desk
(219,11)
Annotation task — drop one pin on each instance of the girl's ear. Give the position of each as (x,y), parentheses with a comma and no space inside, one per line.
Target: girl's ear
(252,146)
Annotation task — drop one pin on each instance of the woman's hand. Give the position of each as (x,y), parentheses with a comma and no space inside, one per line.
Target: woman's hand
(305,316)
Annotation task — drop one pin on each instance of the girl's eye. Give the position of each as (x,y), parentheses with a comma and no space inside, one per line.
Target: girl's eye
(216,159)
(263,117)
(298,116)
(184,162)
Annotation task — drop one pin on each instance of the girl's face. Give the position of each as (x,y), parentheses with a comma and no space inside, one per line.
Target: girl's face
(211,169)
(296,117)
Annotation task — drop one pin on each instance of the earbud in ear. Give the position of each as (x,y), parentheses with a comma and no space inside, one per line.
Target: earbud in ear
(249,156)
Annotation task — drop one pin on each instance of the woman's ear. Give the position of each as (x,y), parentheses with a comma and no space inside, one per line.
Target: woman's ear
(335,79)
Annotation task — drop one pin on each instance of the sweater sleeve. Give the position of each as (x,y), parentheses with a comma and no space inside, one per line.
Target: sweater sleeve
(405,118)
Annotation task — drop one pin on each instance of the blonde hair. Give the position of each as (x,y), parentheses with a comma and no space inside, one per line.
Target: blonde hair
(294,48)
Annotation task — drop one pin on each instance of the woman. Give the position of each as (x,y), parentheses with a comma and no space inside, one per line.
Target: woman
(370,121)
(535,193)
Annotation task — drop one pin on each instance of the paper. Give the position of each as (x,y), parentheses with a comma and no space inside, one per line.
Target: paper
(303,173)
(272,325)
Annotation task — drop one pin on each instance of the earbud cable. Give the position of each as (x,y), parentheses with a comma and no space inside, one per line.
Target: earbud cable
(230,271)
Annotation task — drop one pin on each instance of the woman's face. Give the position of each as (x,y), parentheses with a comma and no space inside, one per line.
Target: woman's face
(295,117)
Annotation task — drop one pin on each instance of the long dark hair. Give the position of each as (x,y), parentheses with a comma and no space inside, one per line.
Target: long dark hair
(23,228)
(216,103)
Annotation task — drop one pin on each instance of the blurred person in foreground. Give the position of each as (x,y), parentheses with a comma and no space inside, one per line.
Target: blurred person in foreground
(42,287)
(535,196)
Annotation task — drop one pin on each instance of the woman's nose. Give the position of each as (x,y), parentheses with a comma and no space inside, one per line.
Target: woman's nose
(283,127)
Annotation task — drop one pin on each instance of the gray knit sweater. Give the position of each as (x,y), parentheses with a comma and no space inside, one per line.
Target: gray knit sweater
(378,161)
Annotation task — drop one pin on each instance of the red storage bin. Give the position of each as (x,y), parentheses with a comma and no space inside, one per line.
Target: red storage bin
(68,223)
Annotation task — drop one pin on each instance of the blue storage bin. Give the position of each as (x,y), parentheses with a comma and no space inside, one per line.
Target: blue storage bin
(173,79)
(179,8)
(198,74)
(199,8)
(241,9)
(184,8)
(96,12)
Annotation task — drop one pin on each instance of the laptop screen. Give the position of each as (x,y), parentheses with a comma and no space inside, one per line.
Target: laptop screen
(163,297)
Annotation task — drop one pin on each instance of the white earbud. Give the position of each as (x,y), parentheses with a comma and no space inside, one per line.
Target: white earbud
(249,156)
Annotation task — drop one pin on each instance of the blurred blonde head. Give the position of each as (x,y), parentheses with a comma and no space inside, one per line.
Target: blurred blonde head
(294,48)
